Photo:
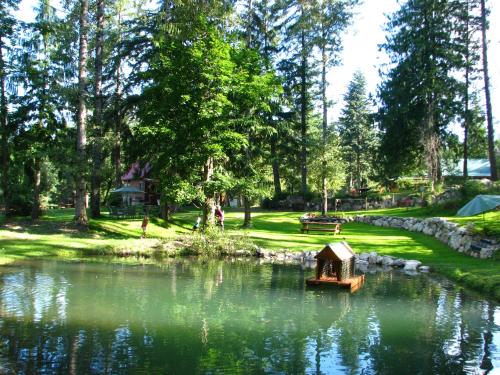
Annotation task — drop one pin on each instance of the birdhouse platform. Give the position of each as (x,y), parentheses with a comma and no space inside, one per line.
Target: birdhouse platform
(335,266)
(354,283)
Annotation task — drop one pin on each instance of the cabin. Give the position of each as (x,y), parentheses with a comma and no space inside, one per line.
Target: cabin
(138,177)
(336,266)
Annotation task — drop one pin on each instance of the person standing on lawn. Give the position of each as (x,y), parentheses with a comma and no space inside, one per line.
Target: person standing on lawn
(144,225)
(219,216)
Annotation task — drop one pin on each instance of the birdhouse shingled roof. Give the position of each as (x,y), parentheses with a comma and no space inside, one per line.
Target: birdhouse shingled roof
(336,251)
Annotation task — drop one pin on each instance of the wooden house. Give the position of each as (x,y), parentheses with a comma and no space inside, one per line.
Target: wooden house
(336,265)
(138,177)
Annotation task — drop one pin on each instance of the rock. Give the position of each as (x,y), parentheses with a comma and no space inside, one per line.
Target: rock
(443,236)
(310,256)
(281,256)
(364,256)
(486,253)
(455,240)
(372,259)
(424,268)
(360,262)
(362,265)
(267,254)
(466,242)
(429,229)
(398,263)
(387,260)
(412,265)
(242,253)
(411,272)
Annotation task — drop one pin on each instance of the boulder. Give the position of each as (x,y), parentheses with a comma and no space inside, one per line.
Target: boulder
(242,253)
(486,253)
(364,256)
(429,229)
(372,259)
(398,263)
(387,260)
(412,265)
(455,240)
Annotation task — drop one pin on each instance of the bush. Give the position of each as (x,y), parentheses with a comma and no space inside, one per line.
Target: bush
(20,205)
(475,187)
(213,243)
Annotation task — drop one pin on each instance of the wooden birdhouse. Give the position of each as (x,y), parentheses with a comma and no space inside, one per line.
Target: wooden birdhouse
(335,265)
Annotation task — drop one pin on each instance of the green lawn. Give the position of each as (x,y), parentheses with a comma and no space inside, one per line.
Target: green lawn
(54,237)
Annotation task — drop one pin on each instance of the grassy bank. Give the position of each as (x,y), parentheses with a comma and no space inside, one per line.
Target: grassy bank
(54,237)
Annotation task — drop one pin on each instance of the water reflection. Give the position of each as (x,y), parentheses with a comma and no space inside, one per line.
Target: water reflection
(206,317)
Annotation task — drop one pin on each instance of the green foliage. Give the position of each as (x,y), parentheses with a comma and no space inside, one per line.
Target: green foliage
(357,133)
(21,203)
(410,184)
(329,159)
(472,188)
(419,93)
(213,242)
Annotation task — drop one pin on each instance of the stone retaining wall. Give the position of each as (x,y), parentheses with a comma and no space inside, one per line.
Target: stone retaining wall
(456,237)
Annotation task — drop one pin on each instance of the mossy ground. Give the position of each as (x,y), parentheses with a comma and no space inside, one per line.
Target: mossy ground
(55,236)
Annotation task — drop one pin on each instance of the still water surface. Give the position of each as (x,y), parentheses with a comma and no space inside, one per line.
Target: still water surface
(188,317)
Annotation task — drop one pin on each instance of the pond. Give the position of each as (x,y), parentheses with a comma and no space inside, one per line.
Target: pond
(194,316)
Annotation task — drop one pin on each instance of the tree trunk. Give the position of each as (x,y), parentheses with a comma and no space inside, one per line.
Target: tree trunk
(35,211)
(209,204)
(95,199)
(466,121)
(324,185)
(247,222)
(303,116)
(4,122)
(249,23)
(489,114)
(81,135)
(466,96)
(431,146)
(116,153)
(276,169)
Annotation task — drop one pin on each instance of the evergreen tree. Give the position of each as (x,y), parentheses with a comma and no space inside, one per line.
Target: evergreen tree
(332,17)
(489,114)
(81,135)
(357,133)
(419,94)
(263,29)
(38,109)
(184,110)
(7,26)
(95,198)
(299,73)
(468,25)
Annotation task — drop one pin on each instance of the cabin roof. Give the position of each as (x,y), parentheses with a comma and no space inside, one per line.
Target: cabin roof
(136,171)
(336,251)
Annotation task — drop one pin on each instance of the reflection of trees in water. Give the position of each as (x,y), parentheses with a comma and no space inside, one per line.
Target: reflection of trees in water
(188,317)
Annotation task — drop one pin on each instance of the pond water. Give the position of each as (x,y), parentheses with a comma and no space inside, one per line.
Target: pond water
(187,317)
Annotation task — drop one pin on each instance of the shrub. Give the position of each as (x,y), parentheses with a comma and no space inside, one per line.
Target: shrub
(214,242)
(20,205)
(472,188)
